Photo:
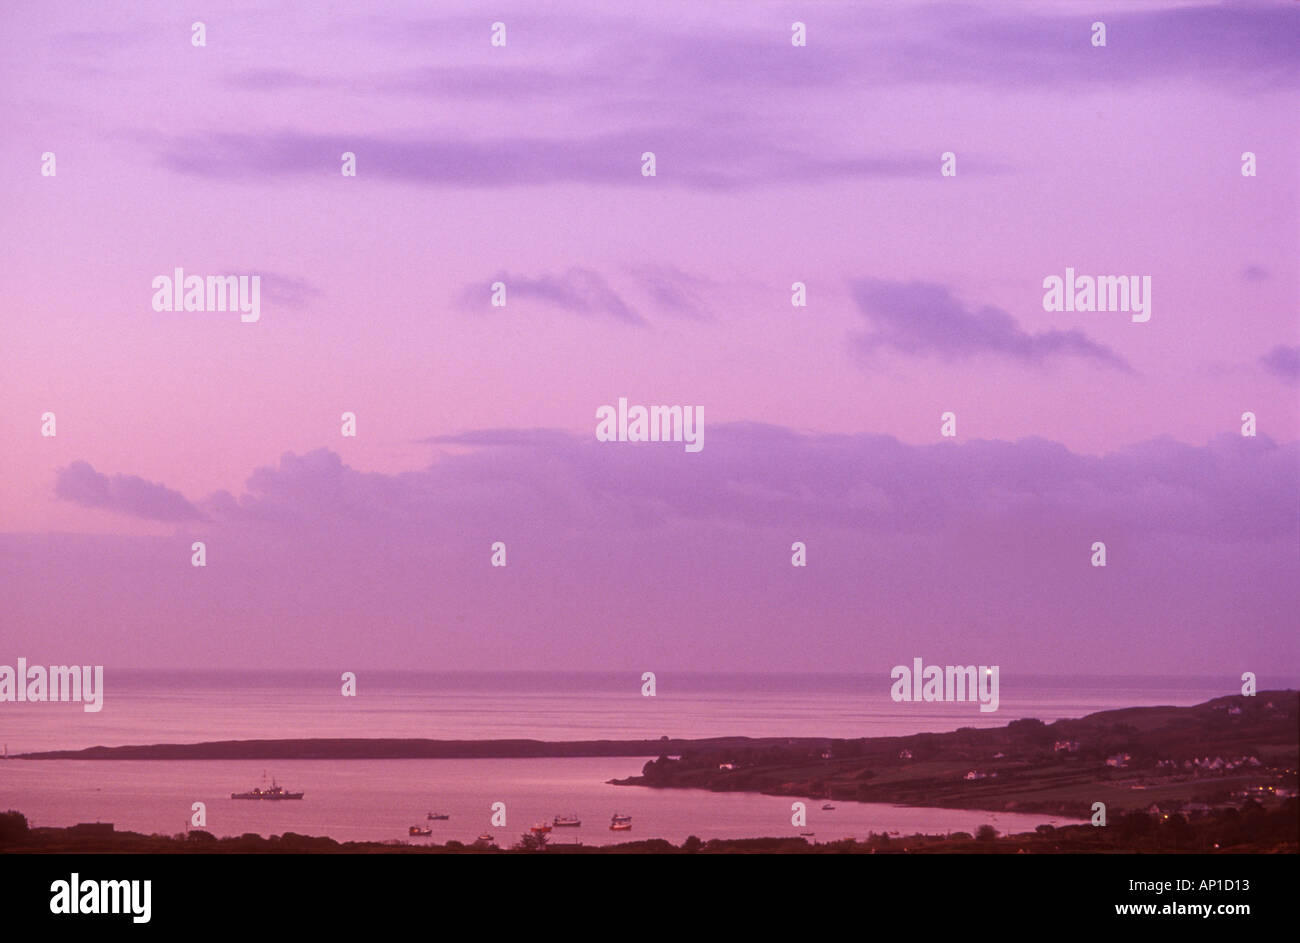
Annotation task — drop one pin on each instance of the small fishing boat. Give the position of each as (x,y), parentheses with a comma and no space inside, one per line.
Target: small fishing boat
(438,816)
(620,826)
(541,828)
(828,807)
(415,830)
(486,838)
(621,818)
(566,821)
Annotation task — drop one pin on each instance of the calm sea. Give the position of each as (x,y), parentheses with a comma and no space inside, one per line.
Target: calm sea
(378,800)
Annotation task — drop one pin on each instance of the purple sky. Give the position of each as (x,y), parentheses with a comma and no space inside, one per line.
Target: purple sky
(775,164)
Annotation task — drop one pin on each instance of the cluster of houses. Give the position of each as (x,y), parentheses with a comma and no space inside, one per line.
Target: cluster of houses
(1234,710)
(1196,809)
(1215,764)
(1257,792)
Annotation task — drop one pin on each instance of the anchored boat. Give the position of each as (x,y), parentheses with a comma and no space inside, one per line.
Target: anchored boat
(274,791)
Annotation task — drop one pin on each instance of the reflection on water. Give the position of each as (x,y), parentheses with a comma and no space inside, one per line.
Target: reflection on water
(378,800)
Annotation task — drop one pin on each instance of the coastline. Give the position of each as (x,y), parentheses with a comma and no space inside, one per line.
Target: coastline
(1199,757)
(1195,759)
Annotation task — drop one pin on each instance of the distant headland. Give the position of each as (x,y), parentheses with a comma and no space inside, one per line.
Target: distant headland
(1167,761)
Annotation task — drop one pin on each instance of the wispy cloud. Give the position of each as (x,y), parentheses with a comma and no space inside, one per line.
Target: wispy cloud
(1244,46)
(284,290)
(922,318)
(699,156)
(580,291)
(277,80)
(673,291)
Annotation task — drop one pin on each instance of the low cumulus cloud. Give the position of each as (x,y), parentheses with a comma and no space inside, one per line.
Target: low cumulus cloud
(750,475)
(1283,362)
(122,494)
